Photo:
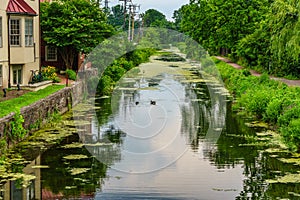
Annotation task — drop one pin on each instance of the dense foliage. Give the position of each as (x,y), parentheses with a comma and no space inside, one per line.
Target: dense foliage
(104,84)
(74,26)
(271,101)
(261,34)
(154,18)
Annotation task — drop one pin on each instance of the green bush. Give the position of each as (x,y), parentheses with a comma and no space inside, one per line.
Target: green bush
(256,101)
(273,110)
(17,130)
(246,72)
(118,68)
(56,80)
(71,74)
(270,100)
(290,113)
(105,85)
(291,134)
(115,71)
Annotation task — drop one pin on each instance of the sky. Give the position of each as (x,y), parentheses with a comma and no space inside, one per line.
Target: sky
(167,7)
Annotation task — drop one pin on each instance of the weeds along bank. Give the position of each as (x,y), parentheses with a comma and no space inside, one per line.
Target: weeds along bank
(270,101)
(105,82)
(15,126)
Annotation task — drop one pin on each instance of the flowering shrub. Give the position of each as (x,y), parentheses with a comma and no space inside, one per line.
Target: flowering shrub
(49,73)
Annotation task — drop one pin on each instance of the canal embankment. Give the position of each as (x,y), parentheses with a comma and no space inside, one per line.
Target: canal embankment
(34,116)
(266,99)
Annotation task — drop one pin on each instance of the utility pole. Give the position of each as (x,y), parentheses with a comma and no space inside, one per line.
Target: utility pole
(129,20)
(125,11)
(106,4)
(134,12)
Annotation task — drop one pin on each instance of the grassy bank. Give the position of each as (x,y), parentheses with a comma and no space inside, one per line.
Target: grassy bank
(15,104)
(268,100)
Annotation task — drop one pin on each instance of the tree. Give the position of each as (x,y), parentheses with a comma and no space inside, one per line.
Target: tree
(73,26)
(154,18)
(219,24)
(116,17)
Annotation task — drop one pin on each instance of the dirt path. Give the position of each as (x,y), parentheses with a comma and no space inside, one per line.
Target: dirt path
(255,73)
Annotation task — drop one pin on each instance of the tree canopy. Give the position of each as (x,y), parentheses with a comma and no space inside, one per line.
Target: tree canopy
(154,18)
(262,34)
(73,26)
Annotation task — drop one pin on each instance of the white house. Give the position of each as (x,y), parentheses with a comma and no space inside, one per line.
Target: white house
(19,41)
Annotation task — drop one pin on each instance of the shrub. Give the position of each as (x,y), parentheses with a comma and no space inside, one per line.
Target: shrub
(71,74)
(246,72)
(115,71)
(264,78)
(270,99)
(105,85)
(56,80)
(256,101)
(273,110)
(17,130)
(290,113)
(291,134)
(49,73)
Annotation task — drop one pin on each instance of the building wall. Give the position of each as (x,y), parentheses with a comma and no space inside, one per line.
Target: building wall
(3,48)
(27,57)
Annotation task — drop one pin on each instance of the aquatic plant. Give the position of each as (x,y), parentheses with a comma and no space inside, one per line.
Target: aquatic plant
(18,132)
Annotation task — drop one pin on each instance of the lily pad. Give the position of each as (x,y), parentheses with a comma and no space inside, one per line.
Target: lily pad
(295,161)
(257,124)
(98,144)
(73,145)
(288,178)
(76,171)
(75,157)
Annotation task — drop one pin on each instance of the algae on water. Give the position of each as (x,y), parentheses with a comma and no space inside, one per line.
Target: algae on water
(288,178)
(75,157)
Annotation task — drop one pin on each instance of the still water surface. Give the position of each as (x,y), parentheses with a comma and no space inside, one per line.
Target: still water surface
(189,145)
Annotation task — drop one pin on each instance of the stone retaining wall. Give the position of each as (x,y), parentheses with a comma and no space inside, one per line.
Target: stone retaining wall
(60,101)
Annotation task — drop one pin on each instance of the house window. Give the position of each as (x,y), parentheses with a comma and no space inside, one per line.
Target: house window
(1,75)
(17,74)
(28,32)
(15,32)
(51,53)
(0,31)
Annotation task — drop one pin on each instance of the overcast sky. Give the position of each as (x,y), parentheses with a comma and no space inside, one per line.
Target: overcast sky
(166,7)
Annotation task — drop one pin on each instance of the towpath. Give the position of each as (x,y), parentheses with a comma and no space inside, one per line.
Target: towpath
(255,73)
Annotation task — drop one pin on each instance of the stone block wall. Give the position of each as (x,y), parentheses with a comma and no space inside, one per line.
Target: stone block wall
(60,101)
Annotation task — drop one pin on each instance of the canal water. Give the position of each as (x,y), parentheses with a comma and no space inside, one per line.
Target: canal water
(166,133)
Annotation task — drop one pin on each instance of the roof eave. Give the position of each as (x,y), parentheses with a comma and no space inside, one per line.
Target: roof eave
(21,13)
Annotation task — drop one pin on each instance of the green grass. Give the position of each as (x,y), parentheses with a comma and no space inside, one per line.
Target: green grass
(15,104)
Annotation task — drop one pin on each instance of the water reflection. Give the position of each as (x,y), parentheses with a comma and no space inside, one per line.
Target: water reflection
(125,150)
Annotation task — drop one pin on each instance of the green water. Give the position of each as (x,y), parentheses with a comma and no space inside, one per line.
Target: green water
(189,145)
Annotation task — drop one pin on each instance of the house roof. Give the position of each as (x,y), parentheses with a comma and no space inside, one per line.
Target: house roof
(19,7)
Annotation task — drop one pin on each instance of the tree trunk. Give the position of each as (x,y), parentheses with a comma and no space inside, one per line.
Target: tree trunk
(68,55)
